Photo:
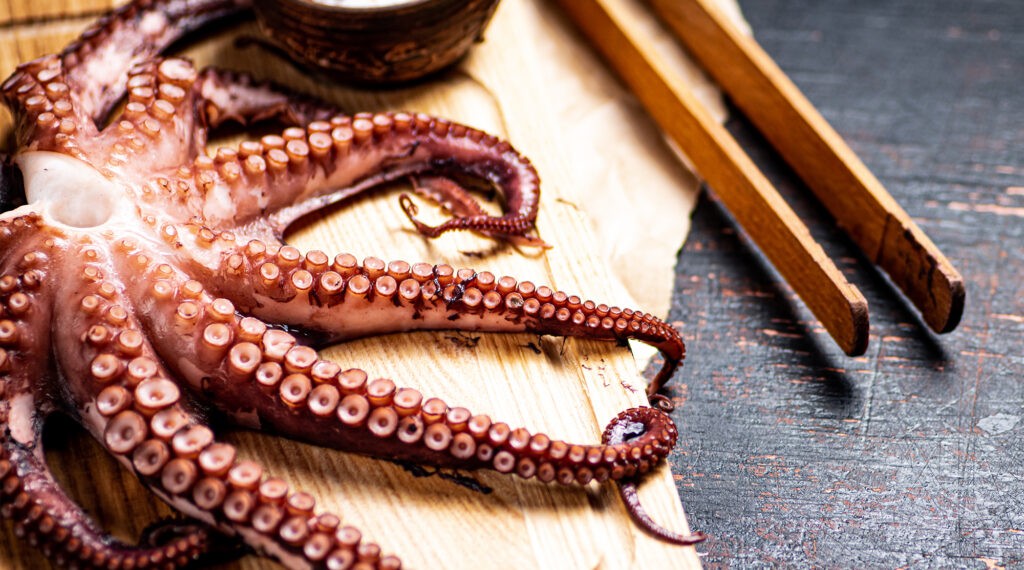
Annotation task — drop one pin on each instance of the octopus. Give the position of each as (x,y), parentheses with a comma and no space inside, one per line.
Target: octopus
(147,293)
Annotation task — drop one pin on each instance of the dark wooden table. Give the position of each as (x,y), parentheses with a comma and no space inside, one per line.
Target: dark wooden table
(794,454)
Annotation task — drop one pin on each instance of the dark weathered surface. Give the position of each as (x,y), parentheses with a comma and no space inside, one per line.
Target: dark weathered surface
(912,455)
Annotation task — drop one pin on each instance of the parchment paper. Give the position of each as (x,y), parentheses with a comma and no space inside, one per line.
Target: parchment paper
(641,191)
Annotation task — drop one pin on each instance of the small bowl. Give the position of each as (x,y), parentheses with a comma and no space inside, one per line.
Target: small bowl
(375,41)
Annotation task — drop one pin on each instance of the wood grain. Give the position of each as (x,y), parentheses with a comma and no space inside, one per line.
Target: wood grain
(910,456)
(14,12)
(852,194)
(750,197)
(568,389)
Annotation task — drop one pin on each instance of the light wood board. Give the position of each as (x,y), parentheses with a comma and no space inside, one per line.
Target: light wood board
(570,389)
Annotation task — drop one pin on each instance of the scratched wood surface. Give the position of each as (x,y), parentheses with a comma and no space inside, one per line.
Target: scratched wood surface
(797,456)
(569,390)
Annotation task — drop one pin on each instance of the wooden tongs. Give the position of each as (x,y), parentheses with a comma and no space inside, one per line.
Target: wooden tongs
(861,206)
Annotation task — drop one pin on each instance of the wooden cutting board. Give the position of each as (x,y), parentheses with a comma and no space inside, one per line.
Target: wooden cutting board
(568,389)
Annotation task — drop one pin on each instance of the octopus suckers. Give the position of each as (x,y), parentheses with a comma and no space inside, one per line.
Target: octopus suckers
(146,287)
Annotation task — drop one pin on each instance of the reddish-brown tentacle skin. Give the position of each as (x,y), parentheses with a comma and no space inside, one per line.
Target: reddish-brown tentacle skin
(243,366)
(348,298)
(265,380)
(42,513)
(143,416)
(624,428)
(225,96)
(448,194)
(96,64)
(455,199)
(222,96)
(143,284)
(306,169)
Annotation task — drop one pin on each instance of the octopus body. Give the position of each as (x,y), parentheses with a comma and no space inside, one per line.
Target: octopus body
(145,287)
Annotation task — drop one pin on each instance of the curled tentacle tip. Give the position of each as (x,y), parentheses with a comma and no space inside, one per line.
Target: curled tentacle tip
(627,490)
(408,206)
(411,210)
(637,423)
(641,425)
(662,402)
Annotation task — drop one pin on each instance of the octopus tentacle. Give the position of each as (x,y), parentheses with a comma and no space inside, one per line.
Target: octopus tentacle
(456,200)
(29,494)
(45,114)
(448,194)
(178,457)
(222,95)
(203,477)
(147,421)
(60,100)
(43,514)
(156,127)
(284,177)
(264,379)
(619,431)
(241,365)
(347,299)
(97,63)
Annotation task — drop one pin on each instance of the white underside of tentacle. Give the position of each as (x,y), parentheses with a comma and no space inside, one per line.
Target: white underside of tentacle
(21,419)
(69,192)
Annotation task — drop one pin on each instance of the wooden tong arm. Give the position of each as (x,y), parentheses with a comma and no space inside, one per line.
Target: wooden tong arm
(744,190)
(857,200)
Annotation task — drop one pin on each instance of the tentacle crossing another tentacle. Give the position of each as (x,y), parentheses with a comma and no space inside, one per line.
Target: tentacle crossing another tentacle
(149,422)
(231,358)
(174,302)
(286,388)
(29,494)
(43,514)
